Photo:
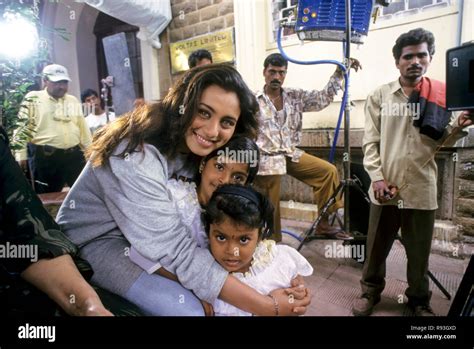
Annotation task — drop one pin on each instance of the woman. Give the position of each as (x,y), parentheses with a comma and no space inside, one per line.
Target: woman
(121,197)
(234,163)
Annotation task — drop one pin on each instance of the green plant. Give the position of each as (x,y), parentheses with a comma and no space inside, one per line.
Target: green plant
(15,83)
(17,77)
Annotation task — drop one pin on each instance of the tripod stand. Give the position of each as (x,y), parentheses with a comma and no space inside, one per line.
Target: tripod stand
(343,186)
(347,182)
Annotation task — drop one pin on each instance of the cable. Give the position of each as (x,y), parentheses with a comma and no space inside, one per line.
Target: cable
(293,235)
(344,97)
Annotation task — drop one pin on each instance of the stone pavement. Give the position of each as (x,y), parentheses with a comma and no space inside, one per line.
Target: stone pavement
(335,281)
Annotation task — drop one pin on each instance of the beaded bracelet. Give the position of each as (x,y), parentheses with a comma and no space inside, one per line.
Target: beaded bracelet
(275,304)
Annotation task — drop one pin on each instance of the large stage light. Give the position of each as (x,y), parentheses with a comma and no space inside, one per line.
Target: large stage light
(18,37)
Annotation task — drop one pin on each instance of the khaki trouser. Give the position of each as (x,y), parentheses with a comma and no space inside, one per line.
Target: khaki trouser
(315,172)
(417,232)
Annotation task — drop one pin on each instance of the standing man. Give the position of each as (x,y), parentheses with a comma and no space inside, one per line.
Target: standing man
(280,117)
(198,58)
(399,155)
(60,133)
(97,117)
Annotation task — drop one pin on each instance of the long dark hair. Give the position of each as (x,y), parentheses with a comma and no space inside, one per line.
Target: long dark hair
(243,205)
(164,124)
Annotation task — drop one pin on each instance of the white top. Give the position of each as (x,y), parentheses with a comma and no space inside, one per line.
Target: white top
(94,122)
(273,266)
(186,202)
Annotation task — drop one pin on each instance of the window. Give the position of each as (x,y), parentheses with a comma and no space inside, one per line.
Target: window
(407,7)
(282,9)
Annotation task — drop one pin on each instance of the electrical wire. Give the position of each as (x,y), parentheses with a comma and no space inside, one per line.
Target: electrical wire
(344,97)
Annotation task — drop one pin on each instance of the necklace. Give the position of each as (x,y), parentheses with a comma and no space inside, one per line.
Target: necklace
(272,99)
(275,99)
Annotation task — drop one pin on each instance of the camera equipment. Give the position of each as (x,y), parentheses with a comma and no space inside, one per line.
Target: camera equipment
(460,77)
(463,302)
(107,84)
(326,20)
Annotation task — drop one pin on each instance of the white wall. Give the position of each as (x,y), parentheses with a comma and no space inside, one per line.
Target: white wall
(78,54)
(86,49)
(151,81)
(252,40)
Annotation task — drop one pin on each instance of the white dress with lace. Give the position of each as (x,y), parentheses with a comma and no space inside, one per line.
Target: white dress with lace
(273,266)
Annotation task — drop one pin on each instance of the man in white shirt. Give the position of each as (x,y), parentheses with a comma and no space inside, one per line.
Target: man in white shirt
(97,116)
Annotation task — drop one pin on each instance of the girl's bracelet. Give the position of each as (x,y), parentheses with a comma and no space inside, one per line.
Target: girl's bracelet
(275,304)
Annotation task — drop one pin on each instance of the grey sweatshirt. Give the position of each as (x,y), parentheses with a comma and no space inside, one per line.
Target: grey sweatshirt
(130,197)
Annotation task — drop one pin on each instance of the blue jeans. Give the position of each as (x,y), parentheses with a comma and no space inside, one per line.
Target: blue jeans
(158,296)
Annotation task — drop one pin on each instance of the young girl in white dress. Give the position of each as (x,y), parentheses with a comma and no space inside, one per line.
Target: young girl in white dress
(234,226)
(237,221)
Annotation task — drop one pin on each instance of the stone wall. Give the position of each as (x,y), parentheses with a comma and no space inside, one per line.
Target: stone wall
(464,191)
(197,17)
(318,143)
(190,18)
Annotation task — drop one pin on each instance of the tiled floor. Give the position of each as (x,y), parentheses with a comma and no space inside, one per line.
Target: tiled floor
(335,281)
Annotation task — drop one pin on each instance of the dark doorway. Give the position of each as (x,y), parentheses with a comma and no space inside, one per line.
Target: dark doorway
(105,26)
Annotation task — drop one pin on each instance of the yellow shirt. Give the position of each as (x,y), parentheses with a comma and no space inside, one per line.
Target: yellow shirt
(57,122)
(396,151)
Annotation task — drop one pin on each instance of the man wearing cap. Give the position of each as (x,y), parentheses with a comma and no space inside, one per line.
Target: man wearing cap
(60,133)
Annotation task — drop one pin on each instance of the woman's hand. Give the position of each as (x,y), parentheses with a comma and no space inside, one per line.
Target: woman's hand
(286,303)
(297,289)
(293,300)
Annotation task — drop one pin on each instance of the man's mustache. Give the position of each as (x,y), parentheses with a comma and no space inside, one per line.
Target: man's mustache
(275,82)
(415,67)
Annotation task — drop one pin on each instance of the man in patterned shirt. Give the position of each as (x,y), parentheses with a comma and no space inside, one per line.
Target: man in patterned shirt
(281,112)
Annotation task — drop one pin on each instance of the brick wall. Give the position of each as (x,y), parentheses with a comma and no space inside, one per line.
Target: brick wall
(318,143)
(191,18)
(197,17)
